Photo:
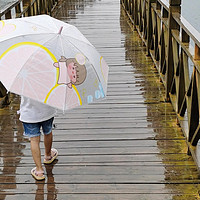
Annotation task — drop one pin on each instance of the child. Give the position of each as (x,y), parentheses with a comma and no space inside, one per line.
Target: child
(35,115)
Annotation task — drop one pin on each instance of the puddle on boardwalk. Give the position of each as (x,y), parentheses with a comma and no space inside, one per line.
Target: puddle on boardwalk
(11,145)
(181,177)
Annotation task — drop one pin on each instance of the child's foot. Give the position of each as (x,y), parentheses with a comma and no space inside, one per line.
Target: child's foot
(38,175)
(50,159)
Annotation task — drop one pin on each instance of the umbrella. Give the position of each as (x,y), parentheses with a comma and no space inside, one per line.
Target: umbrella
(50,61)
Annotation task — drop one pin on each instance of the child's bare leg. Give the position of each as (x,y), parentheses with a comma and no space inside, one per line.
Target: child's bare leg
(48,144)
(36,153)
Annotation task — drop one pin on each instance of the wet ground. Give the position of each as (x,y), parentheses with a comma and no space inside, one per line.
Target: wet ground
(126,147)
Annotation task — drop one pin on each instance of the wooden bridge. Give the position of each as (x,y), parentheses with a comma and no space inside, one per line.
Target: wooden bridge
(130,146)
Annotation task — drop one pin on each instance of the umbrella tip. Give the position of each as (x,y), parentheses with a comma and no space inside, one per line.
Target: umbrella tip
(60,30)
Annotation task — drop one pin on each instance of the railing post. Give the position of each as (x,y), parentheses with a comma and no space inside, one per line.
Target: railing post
(8,15)
(18,9)
(135,13)
(149,26)
(26,2)
(174,6)
(126,4)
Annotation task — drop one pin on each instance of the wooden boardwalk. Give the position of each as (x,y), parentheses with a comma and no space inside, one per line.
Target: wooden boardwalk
(127,147)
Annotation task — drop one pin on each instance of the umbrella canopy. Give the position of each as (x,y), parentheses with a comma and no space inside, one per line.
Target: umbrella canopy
(50,61)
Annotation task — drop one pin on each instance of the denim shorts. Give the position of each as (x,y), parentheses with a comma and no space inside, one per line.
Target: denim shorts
(33,129)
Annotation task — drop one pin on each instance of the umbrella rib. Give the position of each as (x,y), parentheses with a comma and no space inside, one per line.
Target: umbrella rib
(62,46)
(65,99)
(38,83)
(32,89)
(22,91)
(41,71)
(89,44)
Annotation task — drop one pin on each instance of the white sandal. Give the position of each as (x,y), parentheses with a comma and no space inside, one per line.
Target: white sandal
(50,159)
(36,173)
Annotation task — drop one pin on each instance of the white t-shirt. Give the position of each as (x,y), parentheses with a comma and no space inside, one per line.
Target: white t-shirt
(32,111)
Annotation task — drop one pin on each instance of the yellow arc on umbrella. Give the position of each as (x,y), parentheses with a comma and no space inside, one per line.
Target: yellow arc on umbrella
(54,60)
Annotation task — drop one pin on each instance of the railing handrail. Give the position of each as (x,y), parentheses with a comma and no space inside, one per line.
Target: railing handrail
(188,28)
(164,3)
(9,7)
(191,31)
(29,8)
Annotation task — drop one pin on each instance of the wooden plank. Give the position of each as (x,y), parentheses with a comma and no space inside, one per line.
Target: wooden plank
(105,160)
(106,170)
(103,179)
(103,189)
(101,196)
(89,196)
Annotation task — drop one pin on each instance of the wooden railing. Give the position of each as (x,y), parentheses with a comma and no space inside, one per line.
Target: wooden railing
(174,46)
(23,8)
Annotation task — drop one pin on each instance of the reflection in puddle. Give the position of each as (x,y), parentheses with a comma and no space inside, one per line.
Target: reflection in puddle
(51,192)
(11,145)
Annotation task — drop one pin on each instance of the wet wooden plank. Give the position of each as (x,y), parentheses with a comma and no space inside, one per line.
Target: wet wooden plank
(105,170)
(102,189)
(86,197)
(105,179)
(102,196)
